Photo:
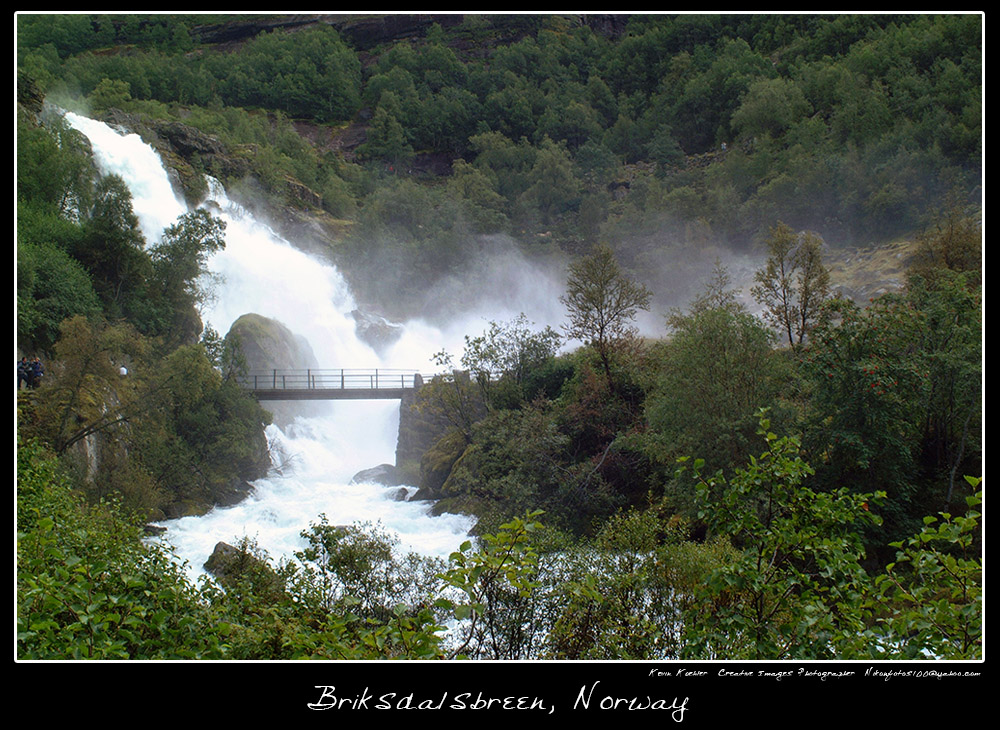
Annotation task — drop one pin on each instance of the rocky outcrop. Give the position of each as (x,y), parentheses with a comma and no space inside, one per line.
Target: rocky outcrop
(378,332)
(188,153)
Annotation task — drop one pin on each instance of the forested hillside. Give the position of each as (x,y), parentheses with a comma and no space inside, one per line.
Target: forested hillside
(794,478)
(661,133)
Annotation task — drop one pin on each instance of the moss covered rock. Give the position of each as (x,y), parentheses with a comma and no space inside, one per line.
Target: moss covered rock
(267,344)
(437,463)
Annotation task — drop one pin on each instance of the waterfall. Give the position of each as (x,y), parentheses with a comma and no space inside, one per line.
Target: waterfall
(260,272)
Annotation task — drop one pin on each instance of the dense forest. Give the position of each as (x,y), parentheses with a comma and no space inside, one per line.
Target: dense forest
(796,479)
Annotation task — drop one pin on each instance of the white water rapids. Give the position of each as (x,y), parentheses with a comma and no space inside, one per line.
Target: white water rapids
(262,273)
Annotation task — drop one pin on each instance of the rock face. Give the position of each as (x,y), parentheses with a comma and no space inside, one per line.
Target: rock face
(267,344)
(378,332)
(363,31)
(179,144)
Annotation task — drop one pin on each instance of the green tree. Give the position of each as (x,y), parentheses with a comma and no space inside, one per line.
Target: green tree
(624,594)
(602,302)
(356,567)
(202,438)
(522,459)
(481,202)
(553,188)
(110,93)
(769,107)
(867,383)
(502,358)
(949,307)
(793,283)
(113,248)
(179,263)
(51,287)
(54,168)
(711,377)
(387,139)
(953,242)
(86,394)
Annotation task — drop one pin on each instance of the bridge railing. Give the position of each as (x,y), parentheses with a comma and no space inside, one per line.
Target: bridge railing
(335,379)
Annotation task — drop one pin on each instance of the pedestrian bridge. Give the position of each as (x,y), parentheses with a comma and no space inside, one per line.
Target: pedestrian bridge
(342,384)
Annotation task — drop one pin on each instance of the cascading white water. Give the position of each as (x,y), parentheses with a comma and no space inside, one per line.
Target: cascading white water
(260,272)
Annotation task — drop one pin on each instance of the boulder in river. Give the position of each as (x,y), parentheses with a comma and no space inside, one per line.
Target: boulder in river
(385,474)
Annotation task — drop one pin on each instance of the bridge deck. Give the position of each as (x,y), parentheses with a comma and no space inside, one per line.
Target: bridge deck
(338,384)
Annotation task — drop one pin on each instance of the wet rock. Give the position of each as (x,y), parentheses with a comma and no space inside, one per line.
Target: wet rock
(385,474)
(378,332)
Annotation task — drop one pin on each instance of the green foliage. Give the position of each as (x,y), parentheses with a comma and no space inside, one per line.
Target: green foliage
(867,384)
(711,377)
(953,242)
(54,169)
(112,249)
(503,358)
(519,460)
(108,94)
(949,305)
(202,436)
(51,287)
(624,596)
(189,434)
(87,588)
(928,602)
(796,587)
(495,585)
(74,403)
(452,400)
(552,188)
(179,262)
(843,118)
(356,567)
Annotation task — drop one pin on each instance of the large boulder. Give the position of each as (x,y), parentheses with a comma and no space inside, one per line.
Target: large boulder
(267,344)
